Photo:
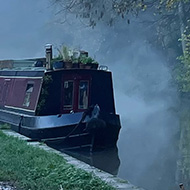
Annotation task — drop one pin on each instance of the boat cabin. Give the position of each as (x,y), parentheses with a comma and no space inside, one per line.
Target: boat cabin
(35,91)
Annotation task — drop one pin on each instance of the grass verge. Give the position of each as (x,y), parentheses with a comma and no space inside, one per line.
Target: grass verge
(32,168)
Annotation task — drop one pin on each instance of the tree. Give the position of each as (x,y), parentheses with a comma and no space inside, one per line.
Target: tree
(100,10)
(109,10)
(168,23)
(183,69)
(170,16)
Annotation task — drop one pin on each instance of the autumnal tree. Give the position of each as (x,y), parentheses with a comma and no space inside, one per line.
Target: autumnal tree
(95,11)
(170,16)
(183,69)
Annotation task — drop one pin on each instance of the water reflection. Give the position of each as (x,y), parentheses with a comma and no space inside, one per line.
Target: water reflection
(107,160)
(148,158)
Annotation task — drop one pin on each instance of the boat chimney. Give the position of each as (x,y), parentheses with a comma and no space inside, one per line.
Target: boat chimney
(48,56)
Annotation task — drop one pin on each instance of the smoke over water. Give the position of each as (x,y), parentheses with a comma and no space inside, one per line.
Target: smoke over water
(145,97)
(146,101)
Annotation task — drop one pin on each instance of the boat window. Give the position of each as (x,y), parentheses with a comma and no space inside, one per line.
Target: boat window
(68,95)
(83,94)
(29,90)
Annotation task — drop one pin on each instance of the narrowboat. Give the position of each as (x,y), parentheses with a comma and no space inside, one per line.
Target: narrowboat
(57,104)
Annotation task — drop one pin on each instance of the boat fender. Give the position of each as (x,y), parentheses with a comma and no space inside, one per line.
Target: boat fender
(95,125)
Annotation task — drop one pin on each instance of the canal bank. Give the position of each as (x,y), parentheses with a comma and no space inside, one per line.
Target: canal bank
(65,171)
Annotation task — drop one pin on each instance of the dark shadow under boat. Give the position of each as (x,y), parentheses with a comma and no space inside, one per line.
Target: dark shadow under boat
(104,159)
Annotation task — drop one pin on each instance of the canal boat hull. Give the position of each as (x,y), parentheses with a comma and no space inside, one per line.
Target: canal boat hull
(67,130)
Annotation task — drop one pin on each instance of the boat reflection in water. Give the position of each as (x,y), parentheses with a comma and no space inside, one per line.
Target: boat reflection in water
(107,160)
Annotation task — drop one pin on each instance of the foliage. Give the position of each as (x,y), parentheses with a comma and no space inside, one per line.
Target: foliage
(64,54)
(109,11)
(166,21)
(183,70)
(35,169)
(105,10)
(47,80)
(73,55)
(86,60)
(67,54)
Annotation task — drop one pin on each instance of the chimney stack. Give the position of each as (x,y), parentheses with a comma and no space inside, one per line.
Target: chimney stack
(48,56)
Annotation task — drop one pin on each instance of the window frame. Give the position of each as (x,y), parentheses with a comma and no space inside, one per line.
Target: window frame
(87,98)
(68,108)
(27,97)
(76,78)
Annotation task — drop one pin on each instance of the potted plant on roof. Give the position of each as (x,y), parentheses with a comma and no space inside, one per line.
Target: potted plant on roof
(75,59)
(64,57)
(82,59)
(66,54)
(92,63)
(57,62)
(86,62)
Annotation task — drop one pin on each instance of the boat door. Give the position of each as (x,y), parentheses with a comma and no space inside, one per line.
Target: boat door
(75,93)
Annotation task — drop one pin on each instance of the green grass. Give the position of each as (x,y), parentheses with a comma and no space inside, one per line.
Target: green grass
(32,168)
(5,126)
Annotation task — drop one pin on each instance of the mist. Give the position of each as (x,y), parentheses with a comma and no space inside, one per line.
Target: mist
(147,101)
(145,97)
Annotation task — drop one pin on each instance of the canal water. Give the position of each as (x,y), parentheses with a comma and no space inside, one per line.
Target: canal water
(136,158)
(147,148)
(147,102)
